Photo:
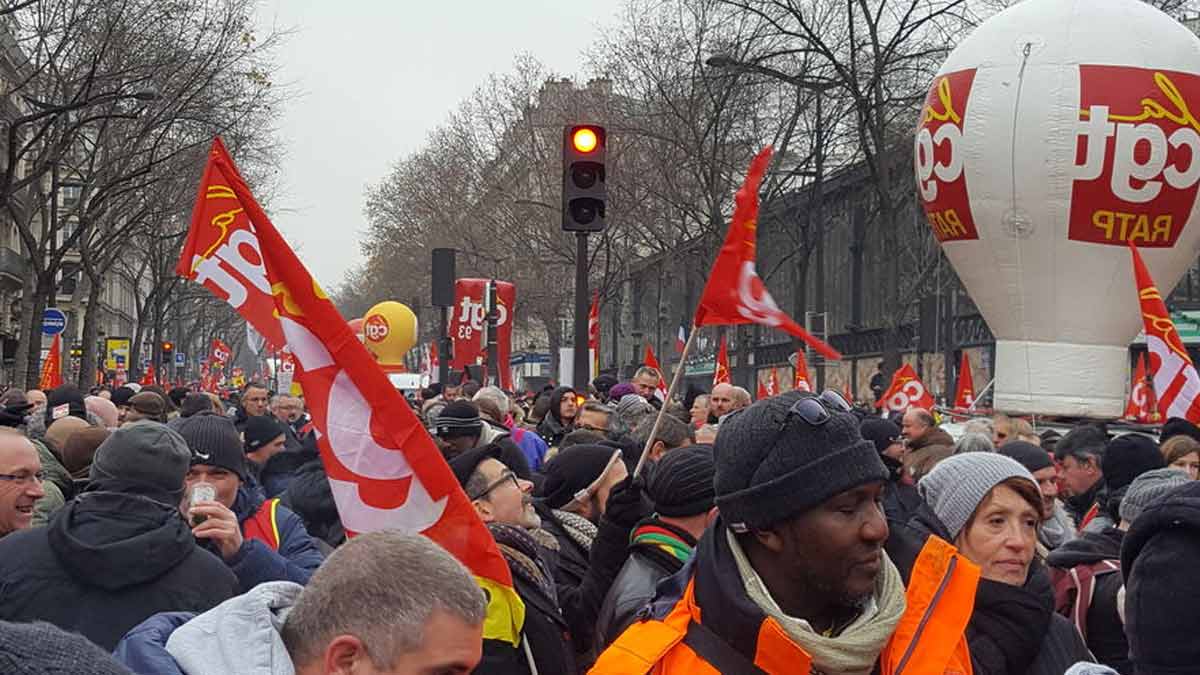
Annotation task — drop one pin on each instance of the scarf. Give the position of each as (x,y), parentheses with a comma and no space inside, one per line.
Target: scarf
(520,550)
(856,649)
(663,540)
(581,530)
(1009,623)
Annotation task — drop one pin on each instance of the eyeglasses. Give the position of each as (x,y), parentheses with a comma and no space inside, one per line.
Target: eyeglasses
(506,476)
(24,478)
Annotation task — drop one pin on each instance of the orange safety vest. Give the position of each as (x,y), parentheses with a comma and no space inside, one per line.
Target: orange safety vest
(263,525)
(930,638)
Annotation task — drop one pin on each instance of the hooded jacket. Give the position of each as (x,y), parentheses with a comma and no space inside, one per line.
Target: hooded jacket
(1105,632)
(110,559)
(310,497)
(294,560)
(241,635)
(1158,559)
(551,428)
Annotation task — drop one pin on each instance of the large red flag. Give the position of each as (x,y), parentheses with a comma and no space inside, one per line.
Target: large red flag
(1175,380)
(384,469)
(52,366)
(800,380)
(661,392)
(721,371)
(734,293)
(964,398)
(594,331)
(223,253)
(907,391)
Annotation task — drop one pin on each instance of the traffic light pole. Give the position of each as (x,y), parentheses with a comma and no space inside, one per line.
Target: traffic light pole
(581,360)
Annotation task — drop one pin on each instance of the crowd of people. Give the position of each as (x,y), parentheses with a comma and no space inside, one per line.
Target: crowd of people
(150,531)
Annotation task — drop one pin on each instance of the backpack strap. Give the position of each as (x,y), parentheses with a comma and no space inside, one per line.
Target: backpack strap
(1074,589)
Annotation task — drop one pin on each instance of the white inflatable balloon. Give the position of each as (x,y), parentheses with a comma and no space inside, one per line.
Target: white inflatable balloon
(1055,133)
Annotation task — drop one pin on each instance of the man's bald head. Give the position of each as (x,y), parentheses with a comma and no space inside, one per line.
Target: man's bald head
(22,486)
(721,400)
(916,423)
(741,398)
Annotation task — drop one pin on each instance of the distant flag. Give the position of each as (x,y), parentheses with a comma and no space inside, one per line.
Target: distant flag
(773,383)
(800,381)
(965,397)
(148,377)
(721,372)
(52,366)
(1140,406)
(762,392)
(1175,379)
(907,391)
(847,393)
(680,340)
(661,392)
(734,293)
(594,331)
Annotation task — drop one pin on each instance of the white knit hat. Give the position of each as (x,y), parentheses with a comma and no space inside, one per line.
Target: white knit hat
(957,485)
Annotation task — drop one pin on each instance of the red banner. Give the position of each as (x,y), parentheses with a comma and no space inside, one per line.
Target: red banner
(220,352)
(1141,406)
(469,321)
(1175,379)
(941,184)
(384,469)
(964,398)
(721,372)
(801,380)
(222,251)
(773,383)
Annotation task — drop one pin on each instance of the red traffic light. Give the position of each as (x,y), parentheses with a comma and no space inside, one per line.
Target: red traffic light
(584,139)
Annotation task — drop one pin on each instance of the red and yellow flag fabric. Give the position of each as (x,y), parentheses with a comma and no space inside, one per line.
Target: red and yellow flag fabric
(964,398)
(52,366)
(907,391)
(800,380)
(384,469)
(721,372)
(1176,382)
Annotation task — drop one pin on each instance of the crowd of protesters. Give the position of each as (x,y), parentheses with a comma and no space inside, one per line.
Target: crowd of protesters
(153,531)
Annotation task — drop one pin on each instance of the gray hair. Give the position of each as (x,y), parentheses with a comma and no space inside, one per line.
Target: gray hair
(973,441)
(494,395)
(382,588)
(672,432)
(980,425)
(741,396)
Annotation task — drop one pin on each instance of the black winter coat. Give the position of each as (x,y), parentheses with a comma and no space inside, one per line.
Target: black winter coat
(106,562)
(309,496)
(1105,630)
(634,586)
(552,429)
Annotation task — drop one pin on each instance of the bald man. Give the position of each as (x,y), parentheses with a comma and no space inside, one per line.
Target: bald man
(724,399)
(20,482)
(920,430)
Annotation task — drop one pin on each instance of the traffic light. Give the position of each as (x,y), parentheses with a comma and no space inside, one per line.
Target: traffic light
(583,191)
(168,347)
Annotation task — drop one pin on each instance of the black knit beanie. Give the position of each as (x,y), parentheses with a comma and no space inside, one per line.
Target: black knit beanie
(260,430)
(682,482)
(1128,456)
(1177,426)
(772,465)
(1028,455)
(213,441)
(879,431)
(572,470)
(458,418)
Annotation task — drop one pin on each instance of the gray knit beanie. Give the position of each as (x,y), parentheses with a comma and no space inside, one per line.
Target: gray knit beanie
(772,465)
(958,484)
(1149,488)
(143,452)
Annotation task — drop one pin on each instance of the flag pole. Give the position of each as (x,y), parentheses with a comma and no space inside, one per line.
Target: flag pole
(687,346)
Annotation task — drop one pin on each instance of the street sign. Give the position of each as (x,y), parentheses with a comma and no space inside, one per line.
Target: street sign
(54,321)
(180,359)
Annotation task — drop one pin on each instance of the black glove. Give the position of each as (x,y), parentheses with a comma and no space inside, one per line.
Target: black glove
(627,503)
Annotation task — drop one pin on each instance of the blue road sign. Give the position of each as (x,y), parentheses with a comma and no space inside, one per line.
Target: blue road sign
(54,321)
(180,359)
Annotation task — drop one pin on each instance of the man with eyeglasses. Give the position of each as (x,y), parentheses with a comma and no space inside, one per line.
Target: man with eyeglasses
(20,482)
(504,503)
(793,577)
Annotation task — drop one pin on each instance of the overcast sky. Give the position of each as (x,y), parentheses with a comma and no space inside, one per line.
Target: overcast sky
(375,76)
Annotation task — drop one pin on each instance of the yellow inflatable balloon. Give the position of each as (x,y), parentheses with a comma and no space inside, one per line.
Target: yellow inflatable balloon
(389,330)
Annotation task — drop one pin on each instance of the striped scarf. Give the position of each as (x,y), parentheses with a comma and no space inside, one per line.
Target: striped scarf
(654,534)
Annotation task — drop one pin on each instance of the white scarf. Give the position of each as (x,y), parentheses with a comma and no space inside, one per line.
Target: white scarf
(856,649)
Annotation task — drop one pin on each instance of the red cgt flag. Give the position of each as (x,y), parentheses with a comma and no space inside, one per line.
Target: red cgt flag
(223,254)
(734,293)
(52,366)
(773,383)
(800,381)
(907,391)
(594,331)
(721,372)
(1175,379)
(1141,396)
(661,392)
(220,353)
(384,470)
(964,398)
